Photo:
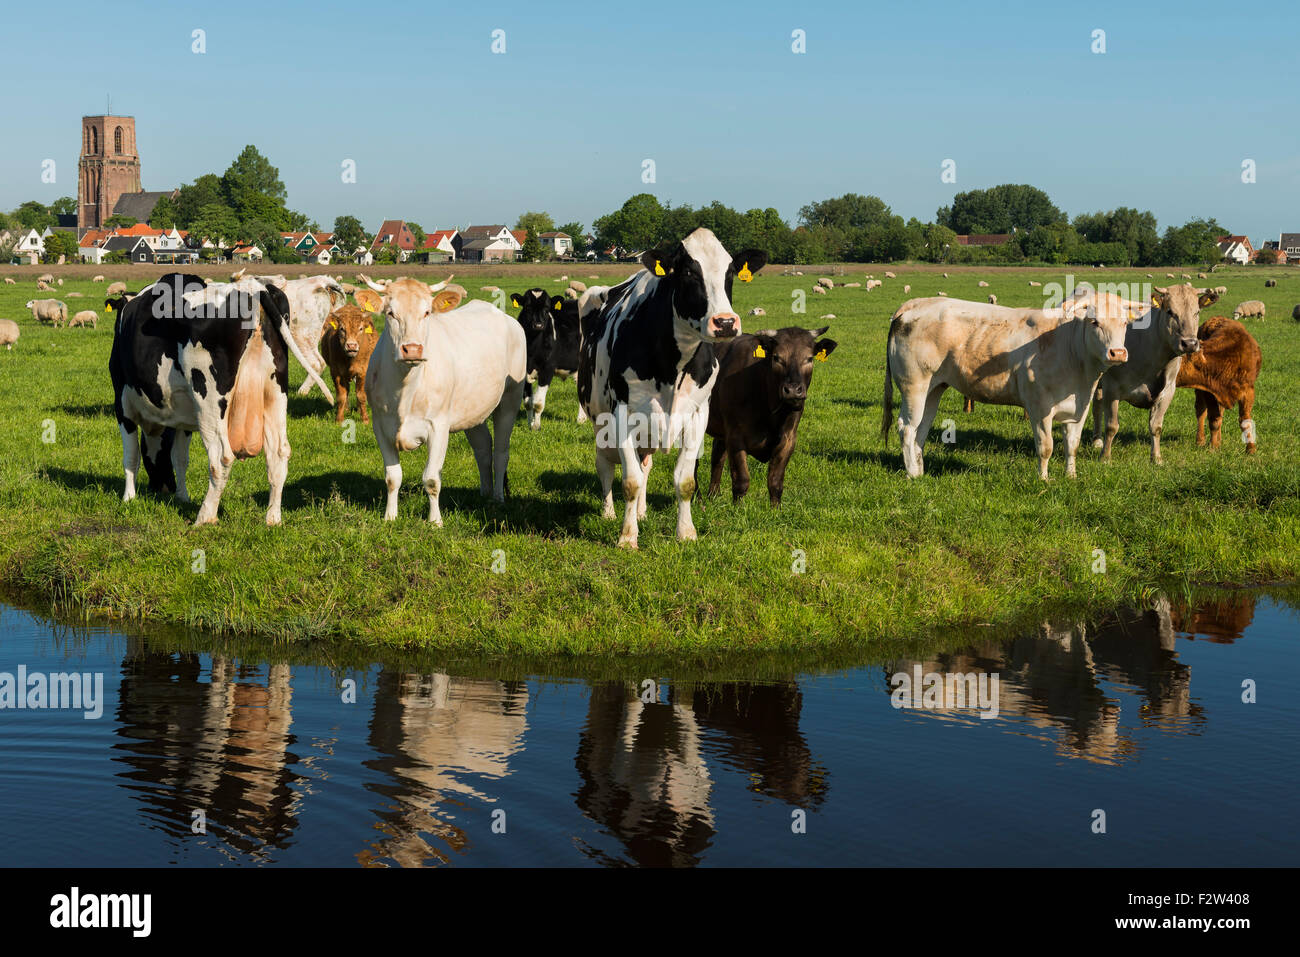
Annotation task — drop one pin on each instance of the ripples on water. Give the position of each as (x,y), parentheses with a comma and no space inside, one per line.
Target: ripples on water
(428,769)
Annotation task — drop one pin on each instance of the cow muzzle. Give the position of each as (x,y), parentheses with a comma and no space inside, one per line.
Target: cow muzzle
(352,348)
(1116,356)
(412,352)
(724,325)
(1189,346)
(794,395)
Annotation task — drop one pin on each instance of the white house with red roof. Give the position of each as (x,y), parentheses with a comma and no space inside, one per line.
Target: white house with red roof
(395,233)
(555,241)
(440,245)
(1236,249)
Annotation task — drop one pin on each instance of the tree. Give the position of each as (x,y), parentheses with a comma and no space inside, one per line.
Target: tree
(349,234)
(64,206)
(164,213)
(34,215)
(418,233)
(532,247)
(537,222)
(216,222)
(387,255)
(61,244)
(999,210)
(1193,242)
(120,222)
(937,241)
(636,225)
(577,232)
(252,173)
(847,212)
(204,191)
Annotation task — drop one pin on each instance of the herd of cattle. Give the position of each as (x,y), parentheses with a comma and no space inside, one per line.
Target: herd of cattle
(660,361)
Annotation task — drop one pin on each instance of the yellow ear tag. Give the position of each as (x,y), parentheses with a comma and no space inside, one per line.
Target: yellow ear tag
(744,275)
(821,356)
(333,324)
(370,307)
(759,353)
(659,269)
(557,306)
(108,308)
(516,304)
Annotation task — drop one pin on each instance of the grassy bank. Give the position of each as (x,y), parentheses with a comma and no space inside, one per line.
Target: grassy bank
(978,540)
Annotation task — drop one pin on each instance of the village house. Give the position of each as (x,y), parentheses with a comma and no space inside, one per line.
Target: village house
(1289,243)
(29,244)
(441,245)
(1236,249)
(395,233)
(556,242)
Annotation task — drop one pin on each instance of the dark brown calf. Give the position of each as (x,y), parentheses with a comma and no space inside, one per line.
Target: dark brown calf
(346,342)
(1223,373)
(763,381)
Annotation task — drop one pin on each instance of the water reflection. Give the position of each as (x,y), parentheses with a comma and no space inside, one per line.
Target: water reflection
(1064,680)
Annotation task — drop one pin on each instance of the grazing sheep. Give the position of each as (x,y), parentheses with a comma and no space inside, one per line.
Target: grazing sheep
(829,315)
(1295,313)
(87,317)
(1221,290)
(945,275)
(117,289)
(907,289)
(594,276)
(1187,275)
(983,284)
(824,281)
(564,278)
(941,294)
(890,275)
(45,277)
(855,285)
(993,299)
(1149,276)
(1249,309)
(60,280)
(819,289)
(74,295)
(1270,283)
(8,332)
(43,286)
(1169,275)
(97,279)
(578,285)
(48,310)
(757,311)
(489,288)
(10,282)
(873,283)
(1201,275)
(572,293)
(1033,283)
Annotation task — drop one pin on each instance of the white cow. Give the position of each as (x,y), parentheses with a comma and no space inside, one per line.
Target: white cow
(436,370)
(311,300)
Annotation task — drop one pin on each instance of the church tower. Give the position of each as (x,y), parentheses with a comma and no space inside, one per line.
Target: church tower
(109,166)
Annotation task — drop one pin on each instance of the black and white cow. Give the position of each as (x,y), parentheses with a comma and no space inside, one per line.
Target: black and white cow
(207,359)
(551,328)
(647,367)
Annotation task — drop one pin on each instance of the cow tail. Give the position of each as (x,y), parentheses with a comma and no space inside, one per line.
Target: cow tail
(887,416)
(282,325)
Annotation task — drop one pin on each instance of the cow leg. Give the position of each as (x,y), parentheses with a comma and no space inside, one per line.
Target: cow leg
(647,463)
(968,405)
(605,471)
(1043,442)
(1247,423)
(1098,420)
(1112,428)
(317,362)
(738,462)
(340,397)
(539,401)
(1202,407)
(1073,436)
(433,471)
(719,451)
(911,407)
(181,462)
(361,398)
(218,475)
(275,445)
(480,440)
(130,458)
(503,424)
(632,477)
(684,472)
(927,419)
(776,467)
(385,429)
(1214,413)
(1158,410)
(582,412)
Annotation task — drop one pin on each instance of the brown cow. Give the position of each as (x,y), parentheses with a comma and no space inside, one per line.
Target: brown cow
(346,342)
(1223,373)
(758,400)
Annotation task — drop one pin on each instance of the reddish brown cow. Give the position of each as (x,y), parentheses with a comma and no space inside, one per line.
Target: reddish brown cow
(762,385)
(346,343)
(1223,373)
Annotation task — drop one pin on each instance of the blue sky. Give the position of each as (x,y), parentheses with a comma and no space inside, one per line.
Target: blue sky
(444,132)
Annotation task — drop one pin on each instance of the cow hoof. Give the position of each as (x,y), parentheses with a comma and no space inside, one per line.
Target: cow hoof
(1097,443)
(204,521)
(629,543)
(272,521)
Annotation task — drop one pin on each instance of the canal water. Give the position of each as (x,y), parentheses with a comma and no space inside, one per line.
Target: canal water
(1160,737)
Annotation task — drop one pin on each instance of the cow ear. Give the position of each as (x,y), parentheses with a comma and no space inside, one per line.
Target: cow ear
(517,300)
(1158,297)
(1208,297)
(747,262)
(824,348)
(662,261)
(557,303)
(446,300)
(764,345)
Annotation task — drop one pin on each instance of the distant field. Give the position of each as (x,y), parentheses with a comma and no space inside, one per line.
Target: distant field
(978,540)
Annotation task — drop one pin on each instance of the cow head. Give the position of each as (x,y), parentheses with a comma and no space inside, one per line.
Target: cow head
(534,308)
(1105,318)
(351,328)
(407,305)
(788,357)
(1178,313)
(699,272)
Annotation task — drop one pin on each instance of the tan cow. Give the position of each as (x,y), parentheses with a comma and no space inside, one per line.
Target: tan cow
(1047,361)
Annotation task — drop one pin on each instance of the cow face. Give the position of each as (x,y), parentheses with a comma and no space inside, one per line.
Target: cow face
(407,306)
(535,306)
(1105,319)
(351,328)
(789,357)
(699,272)
(1179,313)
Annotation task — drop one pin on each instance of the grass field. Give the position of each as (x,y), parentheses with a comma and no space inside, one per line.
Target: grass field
(856,554)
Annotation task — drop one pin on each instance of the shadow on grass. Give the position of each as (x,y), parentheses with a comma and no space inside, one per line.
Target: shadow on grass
(92,411)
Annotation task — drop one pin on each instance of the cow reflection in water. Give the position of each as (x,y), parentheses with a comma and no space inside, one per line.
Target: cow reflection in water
(644,772)
(1054,679)
(439,738)
(1222,621)
(220,746)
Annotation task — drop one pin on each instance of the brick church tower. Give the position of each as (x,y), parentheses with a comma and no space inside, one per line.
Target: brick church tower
(109,166)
